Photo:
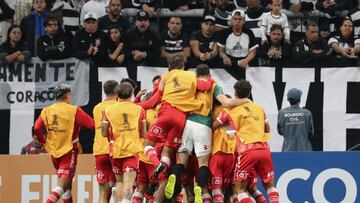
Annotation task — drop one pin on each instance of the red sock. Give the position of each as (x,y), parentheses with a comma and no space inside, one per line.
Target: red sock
(67,200)
(218,198)
(235,200)
(206,198)
(243,198)
(152,155)
(273,195)
(165,160)
(137,197)
(55,194)
(179,198)
(259,197)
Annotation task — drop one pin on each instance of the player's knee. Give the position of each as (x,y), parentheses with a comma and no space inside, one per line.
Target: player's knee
(204,175)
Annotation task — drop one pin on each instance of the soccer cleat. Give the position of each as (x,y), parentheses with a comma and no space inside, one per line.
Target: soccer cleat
(170,186)
(149,194)
(157,171)
(197,192)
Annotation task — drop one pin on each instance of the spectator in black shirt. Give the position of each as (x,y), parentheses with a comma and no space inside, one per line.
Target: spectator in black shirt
(150,7)
(6,17)
(275,49)
(141,44)
(115,47)
(89,41)
(312,48)
(203,44)
(174,41)
(222,14)
(53,45)
(354,15)
(113,18)
(345,45)
(13,49)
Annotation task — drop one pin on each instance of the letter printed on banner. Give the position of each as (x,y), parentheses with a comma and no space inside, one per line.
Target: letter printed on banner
(335,117)
(26,194)
(344,176)
(83,195)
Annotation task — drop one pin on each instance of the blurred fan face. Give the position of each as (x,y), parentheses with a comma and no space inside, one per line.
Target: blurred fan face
(208,28)
(52,27)
(252,3)
(222,4)
(115,34)
(175,25)
(276,36)
(91,25)
(39,6)
(346,28)
(312,34)
(237,22)
(142,24)
(276,6)
(15,35)
(115,7)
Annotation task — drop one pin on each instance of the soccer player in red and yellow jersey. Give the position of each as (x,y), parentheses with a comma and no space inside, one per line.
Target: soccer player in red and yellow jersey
(178,98)
(252,129)
(197,137)
(62,122)
(103,168)
(222,159)
(125,123)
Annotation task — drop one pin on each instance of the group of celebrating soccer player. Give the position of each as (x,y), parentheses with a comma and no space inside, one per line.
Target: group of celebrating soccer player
(185,134)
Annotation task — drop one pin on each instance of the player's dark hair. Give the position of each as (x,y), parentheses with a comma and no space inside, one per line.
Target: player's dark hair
(242,88)
(129,80)
(202,70)
(109,87)
(156,77)
(176,62)
(124,90)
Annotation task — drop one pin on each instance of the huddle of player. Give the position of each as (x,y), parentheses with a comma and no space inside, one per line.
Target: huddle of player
(186,130)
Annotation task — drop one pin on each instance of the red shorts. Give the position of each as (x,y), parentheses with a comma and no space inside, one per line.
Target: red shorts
(191,171)
(123,165)
(144,173)
(168,126)
(66,164)
(221,167)
(103,169)
(254,163)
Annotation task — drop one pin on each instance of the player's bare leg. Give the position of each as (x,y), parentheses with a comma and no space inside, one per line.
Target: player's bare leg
(189,189)
(128,183)
(160,193)
(119,187)
(105,192)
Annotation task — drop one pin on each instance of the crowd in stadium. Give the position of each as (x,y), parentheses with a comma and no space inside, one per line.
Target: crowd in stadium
(186,128)
(111,33)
